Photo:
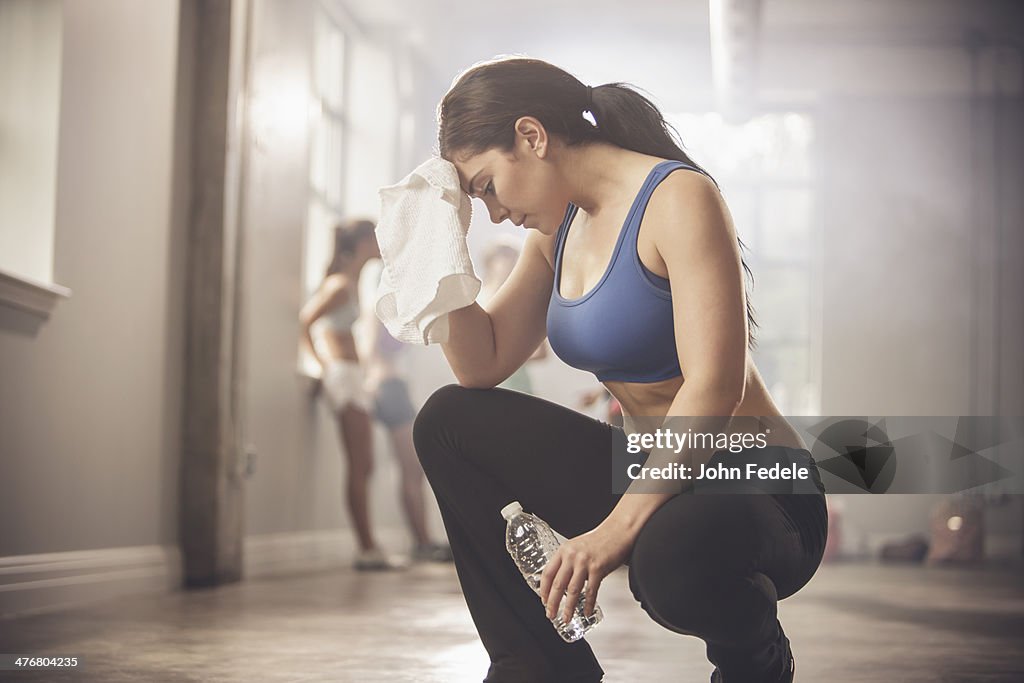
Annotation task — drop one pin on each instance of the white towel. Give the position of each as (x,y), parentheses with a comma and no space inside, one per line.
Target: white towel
(427,270)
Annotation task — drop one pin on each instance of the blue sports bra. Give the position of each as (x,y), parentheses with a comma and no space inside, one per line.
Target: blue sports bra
(622,329)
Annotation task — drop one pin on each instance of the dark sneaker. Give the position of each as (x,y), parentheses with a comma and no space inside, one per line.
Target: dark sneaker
(432,552)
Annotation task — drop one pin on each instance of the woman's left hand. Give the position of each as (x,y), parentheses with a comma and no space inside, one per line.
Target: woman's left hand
(585,559)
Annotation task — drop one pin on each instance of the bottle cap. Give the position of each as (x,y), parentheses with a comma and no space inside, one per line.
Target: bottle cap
(511,510)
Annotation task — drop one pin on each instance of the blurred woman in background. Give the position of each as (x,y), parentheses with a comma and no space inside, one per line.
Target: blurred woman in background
(394,409)
(329,315)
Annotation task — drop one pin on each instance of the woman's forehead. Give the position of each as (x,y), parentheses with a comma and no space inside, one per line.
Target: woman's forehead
(469,167)
(465,174)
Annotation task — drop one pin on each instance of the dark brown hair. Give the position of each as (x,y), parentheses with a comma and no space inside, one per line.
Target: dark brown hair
(480,110)
(347,237)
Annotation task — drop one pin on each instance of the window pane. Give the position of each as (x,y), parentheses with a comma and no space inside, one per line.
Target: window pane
(333,162)
(781,297)
(786,372)
(325,160)
(772,145)
(786,221)
(320,223)
(328,63)
(743,207)
(787,145)
(317,167)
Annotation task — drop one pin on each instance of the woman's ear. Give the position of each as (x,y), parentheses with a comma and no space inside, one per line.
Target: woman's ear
(531,136)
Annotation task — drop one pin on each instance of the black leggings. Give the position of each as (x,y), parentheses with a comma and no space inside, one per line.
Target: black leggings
(710,566)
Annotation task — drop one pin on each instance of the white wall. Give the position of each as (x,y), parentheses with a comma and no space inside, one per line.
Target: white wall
(89,401)
(899,304)
(908,252)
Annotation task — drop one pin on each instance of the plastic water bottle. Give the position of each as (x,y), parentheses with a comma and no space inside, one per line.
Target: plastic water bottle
(531,543)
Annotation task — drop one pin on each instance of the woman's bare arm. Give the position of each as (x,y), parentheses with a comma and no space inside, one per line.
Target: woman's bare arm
(695,236)
(332,292)
(485,346)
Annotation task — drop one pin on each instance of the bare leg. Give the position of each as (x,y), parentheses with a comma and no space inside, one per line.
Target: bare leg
(412,482)
(357,438)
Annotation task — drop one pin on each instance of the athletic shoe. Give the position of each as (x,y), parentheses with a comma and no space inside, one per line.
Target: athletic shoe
(432,552)
(376,560)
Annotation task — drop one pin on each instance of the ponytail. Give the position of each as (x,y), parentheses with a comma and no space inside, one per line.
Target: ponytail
(480,110)
(627,119)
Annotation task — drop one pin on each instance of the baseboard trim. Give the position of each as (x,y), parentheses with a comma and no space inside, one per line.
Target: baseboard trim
(999,547)
(33,584)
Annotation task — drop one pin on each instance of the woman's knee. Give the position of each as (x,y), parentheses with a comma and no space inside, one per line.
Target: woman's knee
(448,410)
(672,596)
(436,414)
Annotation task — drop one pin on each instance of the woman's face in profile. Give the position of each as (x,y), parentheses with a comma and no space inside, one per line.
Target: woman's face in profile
(518,186)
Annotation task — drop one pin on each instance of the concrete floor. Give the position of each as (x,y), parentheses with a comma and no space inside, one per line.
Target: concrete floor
(851,623)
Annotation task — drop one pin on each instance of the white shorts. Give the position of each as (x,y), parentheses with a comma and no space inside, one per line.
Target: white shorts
(343,385)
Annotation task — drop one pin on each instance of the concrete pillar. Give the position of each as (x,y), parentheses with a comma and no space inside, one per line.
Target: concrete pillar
(211,74)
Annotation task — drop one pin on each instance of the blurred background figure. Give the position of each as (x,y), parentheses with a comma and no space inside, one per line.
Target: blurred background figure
(393,409)
(608,408)
(327,320)
(500,258)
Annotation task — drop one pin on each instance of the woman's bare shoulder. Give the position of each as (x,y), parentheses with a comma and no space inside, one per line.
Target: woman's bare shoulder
(690,186)
(687,198)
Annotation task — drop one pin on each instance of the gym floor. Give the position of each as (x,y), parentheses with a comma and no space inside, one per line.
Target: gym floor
(853,622)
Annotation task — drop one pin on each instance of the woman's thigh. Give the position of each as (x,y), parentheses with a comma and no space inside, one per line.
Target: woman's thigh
(697,543)
(555,461)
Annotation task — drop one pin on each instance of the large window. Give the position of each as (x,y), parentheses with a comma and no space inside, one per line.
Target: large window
(765,170)
(328,133)
(30,83)
(328,137)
